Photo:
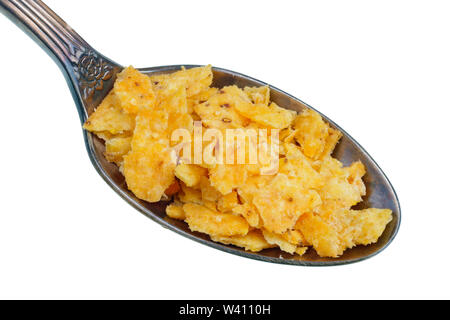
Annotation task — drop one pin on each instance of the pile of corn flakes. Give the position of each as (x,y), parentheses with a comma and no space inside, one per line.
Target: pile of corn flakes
(306,203)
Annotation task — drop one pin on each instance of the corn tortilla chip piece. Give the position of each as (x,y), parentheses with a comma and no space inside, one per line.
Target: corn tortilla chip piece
(316,138)
(134,90)
(190,195)
(271,116)
(175,211)
(281,202)
(117,148)
(258,95)
(253,241)
(109,117)
(190,174)
(219,111)
(194,80)
(214,223)
(149,167)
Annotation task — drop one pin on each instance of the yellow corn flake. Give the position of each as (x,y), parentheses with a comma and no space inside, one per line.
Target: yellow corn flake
(354,176)
(359,227)
(296,166)
(109,117)
(252,185)
(200,98)
(209,193)
(134,91)
(228,202)
(227,177)
(276,239)
(288,242)
(116,148)
(175,211)
(149,167)
(258,95)
(190,195)
(190,174)
(372,224)
(287,135)
(330,142)
(301,250)
(281,202)
(176,106)
(333,234)
(148,177)
(293,237)
(205,220)
(271,116)
(249,213)
(320,235)
(212,205)
(253,241)
(343,187)
(316,138)
(194,80)
(172,98)
(219,111)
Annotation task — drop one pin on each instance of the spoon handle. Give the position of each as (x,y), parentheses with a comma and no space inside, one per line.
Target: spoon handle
(89,74)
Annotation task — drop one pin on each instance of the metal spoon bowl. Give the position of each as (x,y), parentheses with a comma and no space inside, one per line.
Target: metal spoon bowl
(91,76)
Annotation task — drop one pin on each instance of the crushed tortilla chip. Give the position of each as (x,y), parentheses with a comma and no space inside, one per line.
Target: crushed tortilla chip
(190,174)
(316,138)
(258,95)
(134,91)
(203,219)
(117,148)
(149,167)
(252,241)
(109,117)
(175,211)
(306,203)
(271,116)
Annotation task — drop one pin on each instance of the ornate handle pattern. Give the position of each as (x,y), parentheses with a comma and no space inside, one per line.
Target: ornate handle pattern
(86,69)
(91,71)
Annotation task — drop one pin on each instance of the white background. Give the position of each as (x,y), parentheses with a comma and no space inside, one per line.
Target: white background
(380,69)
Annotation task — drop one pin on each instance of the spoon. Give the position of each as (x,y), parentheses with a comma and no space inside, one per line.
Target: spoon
(91,76)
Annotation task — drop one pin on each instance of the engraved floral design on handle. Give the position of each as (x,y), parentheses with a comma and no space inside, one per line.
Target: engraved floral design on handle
(92,71)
